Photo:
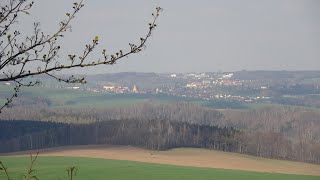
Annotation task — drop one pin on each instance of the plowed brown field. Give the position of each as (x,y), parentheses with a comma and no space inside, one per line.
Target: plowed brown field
(186,157)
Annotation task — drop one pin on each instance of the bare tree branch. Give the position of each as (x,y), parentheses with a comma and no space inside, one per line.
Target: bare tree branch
(38,53)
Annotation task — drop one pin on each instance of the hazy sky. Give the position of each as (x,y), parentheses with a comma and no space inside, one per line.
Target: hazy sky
(202,35)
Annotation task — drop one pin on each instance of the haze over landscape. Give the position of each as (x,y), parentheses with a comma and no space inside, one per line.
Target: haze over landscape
(209,89)
(201,36)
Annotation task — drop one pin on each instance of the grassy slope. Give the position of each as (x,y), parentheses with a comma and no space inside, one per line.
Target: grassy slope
(53,168)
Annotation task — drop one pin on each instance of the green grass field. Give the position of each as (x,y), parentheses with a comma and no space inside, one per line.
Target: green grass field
(54,168)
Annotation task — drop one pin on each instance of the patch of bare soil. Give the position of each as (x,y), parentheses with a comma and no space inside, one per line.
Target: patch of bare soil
(186,157)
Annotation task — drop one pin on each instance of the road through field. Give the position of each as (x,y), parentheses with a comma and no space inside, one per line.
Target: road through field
(187,157)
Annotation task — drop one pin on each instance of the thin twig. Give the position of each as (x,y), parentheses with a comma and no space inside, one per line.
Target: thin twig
(29,175)
(3,168)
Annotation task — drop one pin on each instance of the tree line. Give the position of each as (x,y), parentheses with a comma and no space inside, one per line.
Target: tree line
(272,132)
(151,134)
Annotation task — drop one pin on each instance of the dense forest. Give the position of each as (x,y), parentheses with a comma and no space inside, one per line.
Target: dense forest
(272,132)
(151,134)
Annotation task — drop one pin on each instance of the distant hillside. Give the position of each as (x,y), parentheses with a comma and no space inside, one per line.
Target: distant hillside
(276,75)
(143,80)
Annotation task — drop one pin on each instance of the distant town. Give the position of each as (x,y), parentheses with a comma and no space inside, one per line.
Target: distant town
(281,87)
